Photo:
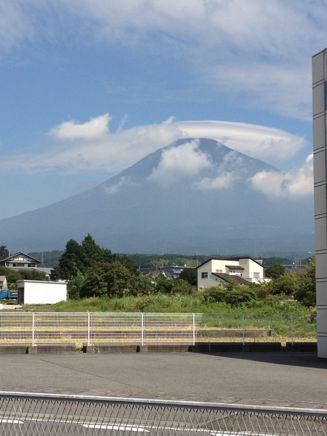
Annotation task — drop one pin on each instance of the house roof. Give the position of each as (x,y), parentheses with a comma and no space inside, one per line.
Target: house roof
(230,258)
(233,280)
(20,253)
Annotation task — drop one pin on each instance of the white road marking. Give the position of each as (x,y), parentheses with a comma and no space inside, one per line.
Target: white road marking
(116,427)
(10,421)
(239,433)
(133,428)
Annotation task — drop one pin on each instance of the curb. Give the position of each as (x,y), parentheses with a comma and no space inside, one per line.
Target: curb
(163,348)
(49,349)
(104,348)
(13,349)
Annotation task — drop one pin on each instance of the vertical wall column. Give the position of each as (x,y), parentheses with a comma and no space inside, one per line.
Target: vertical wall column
(319,80)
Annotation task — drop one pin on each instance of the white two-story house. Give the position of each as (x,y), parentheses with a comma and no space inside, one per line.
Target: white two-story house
(20,260)
(214,272)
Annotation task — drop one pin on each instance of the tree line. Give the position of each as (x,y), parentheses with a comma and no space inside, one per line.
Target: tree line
(94,271)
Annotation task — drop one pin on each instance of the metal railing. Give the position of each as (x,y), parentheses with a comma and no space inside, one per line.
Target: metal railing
(88,328)
(46,414)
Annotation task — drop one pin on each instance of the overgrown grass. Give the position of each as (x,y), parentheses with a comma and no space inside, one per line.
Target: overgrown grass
(288,319)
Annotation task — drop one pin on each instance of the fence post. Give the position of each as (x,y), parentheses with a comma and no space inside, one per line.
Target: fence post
(142,329)
(33,329)
(243,332)
(88,329)
(292,328)
(193,327)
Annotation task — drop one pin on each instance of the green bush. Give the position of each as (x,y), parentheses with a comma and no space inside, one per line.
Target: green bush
(236,295)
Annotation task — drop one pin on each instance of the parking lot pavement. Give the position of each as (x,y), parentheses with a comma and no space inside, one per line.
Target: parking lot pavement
(276,379)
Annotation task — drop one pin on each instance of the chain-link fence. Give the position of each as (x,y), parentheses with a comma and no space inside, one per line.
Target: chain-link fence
(88,328)
(44,414)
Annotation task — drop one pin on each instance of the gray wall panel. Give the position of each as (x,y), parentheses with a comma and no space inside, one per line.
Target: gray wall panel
(320,199)
(322,293)
(320,233)
(318,68)
(319,132)
(318,103)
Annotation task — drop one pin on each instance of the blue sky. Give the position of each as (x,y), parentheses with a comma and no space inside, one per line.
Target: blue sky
(90,86)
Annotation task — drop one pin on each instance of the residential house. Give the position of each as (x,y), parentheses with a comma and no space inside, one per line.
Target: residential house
(20,260)
(213,272)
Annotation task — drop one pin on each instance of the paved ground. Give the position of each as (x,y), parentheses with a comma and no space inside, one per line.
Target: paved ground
(281,379)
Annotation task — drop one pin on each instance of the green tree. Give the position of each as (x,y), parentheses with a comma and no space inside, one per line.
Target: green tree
(274,271)
(12,276)
(181,287)
(23,274)
(164,286)
(126,261)
(75,286)
(91,252)
(107,279)
(32,274)
(286,284)
(306,292)
(70,262)
(190,275)
(142,285)
(77,258)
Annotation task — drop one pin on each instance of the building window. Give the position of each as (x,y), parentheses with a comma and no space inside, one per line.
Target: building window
(256,275)
(204,275)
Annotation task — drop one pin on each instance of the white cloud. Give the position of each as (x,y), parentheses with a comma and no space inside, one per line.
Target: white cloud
(95,128)
(257,141)
(98,149)
(223,181)
(275,87)
(121,184)
(112,152)
(14,25)
(258,50)
(255,49)
(295,183)
(178,163)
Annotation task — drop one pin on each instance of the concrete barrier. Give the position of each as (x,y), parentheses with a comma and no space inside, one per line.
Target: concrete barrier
(13,349)
(212,347)
(163,348)
(263,346)
(212,333)
(52,348)
(105,348)
(301,346)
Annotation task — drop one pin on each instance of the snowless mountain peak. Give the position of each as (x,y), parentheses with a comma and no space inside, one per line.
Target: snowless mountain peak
(193,195)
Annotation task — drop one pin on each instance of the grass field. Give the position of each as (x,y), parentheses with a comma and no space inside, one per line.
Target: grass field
(282,319)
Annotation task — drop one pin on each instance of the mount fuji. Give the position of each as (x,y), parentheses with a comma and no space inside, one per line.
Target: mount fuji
(193,196)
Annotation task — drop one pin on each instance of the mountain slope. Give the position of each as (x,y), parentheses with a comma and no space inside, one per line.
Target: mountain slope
(191,196)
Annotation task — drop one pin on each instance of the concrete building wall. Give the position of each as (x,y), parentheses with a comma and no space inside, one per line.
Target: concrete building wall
(206,279)
(219,266)
(253,272)
(319,80)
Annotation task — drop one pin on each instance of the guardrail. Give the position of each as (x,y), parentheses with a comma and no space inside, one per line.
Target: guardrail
(88,328)
(46,414)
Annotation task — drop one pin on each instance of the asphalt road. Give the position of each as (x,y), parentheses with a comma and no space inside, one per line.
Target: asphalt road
(275,379)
